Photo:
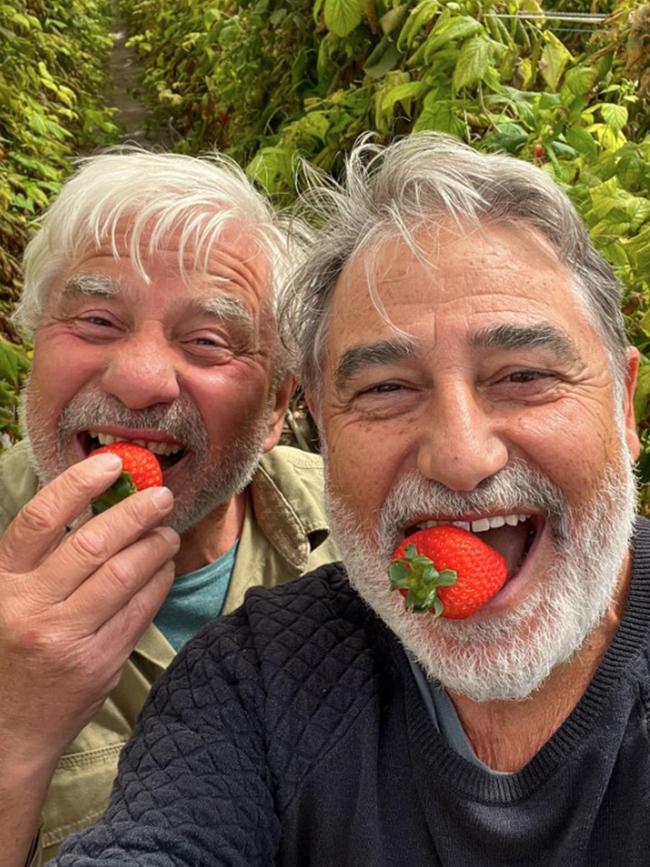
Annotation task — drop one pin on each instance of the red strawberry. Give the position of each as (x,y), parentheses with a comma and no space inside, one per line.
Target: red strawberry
(447,571)
(140,469)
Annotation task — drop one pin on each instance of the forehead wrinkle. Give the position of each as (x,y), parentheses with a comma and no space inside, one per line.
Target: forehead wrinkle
(541,334)
(383,352)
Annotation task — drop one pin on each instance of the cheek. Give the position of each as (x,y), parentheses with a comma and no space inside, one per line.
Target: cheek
(569,445)
(364,462)
(227,400)
(58,373)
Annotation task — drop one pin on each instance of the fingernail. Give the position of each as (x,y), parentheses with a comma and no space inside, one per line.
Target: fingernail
(106,462)
(162,498)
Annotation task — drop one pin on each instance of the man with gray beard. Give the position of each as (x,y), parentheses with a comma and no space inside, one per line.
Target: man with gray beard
(151,296)
(464,357)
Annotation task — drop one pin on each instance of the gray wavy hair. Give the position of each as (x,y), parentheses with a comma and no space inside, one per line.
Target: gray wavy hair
(395,191)
(157,193)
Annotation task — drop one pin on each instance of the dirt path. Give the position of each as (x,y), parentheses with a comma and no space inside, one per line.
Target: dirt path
(123,89)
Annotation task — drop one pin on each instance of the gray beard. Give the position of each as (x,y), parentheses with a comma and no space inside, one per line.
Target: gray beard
(210,480)
(508,656)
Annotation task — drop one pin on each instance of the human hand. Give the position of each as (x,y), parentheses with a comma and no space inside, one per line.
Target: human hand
(73,605)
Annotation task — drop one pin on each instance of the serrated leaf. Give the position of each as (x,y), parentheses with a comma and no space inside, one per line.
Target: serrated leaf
(615,116)
(580,80)
(342,16)
(472,63)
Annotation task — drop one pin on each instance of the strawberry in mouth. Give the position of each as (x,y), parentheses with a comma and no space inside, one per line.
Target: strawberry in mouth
(513,535)
(167,451)
(453,569)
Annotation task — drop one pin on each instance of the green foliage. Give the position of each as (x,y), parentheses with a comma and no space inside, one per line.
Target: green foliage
(52,58)
(271,80)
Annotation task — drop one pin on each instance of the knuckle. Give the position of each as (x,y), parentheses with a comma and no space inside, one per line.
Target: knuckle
(121,574)
(37,516)
(87,543)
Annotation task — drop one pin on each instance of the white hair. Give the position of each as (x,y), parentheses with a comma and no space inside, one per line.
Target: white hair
(156,193)
(416,183)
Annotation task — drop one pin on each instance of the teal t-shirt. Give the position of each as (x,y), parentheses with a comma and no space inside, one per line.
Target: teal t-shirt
(195,600)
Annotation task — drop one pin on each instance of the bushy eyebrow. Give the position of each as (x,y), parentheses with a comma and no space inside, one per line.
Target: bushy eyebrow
(542,335)
(90,284)
(370,354)
(224,307)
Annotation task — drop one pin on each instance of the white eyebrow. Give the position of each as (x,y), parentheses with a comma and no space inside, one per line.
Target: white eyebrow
(224,307)
(91,284)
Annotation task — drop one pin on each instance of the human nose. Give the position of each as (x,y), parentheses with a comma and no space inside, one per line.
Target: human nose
(460,443)
(141,371)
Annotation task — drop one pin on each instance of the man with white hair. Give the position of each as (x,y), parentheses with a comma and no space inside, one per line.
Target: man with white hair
(151,294)
(464,357)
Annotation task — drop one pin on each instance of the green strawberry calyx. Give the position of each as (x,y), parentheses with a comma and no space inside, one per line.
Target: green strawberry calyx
(118,491)
(417,578)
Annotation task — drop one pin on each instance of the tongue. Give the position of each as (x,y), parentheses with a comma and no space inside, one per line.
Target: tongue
(510,542)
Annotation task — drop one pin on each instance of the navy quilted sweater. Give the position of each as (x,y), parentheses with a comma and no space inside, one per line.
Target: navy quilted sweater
(292,733)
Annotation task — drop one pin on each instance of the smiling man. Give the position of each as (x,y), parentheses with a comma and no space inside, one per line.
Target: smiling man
(151,293)
(464,356)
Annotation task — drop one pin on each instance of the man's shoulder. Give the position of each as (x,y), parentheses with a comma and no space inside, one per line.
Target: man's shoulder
(285,464)
(318,617)
(18,482)
(291,667)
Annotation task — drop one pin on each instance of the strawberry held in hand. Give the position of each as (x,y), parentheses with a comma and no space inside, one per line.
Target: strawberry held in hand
(447,571)
(140,469)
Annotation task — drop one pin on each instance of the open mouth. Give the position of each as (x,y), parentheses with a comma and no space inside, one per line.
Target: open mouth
(168,452)
(512,535)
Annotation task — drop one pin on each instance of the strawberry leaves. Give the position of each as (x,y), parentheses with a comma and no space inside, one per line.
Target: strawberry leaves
(416,577)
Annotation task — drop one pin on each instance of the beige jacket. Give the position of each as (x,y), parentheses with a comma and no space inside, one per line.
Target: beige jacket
(284,535)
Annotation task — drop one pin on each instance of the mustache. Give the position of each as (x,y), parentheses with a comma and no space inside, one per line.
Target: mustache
(180,420)
(516,488)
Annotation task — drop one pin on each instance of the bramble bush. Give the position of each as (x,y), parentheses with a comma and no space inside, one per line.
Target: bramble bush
(270,80)
(53,55)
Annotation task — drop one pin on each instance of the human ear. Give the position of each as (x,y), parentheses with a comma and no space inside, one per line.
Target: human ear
(283,393)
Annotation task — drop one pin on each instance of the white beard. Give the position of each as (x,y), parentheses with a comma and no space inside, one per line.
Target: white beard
(507,656)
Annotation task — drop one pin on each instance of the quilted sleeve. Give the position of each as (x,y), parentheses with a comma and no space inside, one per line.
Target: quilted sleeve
(193,786)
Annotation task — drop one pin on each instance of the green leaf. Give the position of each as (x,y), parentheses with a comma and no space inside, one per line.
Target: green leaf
(451,29)
(615,116)
(472,63)
(642,392)
(439,114)
(554,59)
(342,16)
(580,80)
(580,139)
(392,19)
(402,93)
(385,57)
(418,18)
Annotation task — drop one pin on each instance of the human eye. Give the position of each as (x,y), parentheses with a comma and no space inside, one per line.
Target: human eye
(526,384)
(96,326)
(208,348)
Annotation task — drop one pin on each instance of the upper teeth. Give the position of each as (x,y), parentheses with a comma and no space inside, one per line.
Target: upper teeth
(156,447)
(480,525)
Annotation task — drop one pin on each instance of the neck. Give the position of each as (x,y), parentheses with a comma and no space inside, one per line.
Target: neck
(506,735)
(212,536)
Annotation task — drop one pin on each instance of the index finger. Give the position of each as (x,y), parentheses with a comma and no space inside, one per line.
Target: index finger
(42,522)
